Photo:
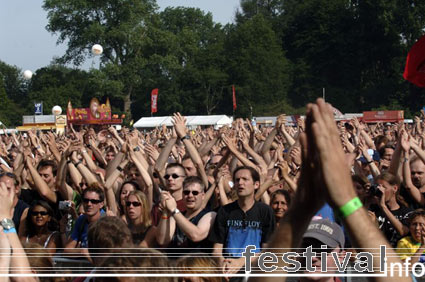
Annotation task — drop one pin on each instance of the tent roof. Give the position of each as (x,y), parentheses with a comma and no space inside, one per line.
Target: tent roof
(146,122)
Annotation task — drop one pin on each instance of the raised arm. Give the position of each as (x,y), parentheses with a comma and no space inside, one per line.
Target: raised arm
(40,185)
(180,126)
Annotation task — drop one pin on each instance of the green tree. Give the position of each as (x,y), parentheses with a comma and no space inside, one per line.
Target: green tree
(258,67)
(120,26)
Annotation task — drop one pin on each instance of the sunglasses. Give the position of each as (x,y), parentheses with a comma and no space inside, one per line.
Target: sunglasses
(155,175)
(135,204)
(93,201)
(42,213)
(174,176)
(194,193)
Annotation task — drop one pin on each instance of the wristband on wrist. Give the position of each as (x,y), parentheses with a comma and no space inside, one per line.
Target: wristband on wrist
(119,168)
(11,230)
(350,207)
(184,137)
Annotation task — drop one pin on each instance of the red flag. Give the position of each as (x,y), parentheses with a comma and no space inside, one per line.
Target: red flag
(415,64)
(234,98)
(154,100)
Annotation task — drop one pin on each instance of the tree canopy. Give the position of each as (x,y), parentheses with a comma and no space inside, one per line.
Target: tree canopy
(279,55)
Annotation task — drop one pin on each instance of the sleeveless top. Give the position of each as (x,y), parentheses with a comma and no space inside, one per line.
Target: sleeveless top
(138,237)
(46,243)
(20,207)
(180,240)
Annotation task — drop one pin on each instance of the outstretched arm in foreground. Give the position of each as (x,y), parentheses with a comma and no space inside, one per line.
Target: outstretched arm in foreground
(323,159)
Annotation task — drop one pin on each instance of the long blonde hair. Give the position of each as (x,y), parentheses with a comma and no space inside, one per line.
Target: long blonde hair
(146,207)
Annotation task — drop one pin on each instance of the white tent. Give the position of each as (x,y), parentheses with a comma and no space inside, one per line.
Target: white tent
(192,121)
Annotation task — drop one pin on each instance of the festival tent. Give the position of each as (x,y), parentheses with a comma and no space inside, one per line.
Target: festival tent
(191,121)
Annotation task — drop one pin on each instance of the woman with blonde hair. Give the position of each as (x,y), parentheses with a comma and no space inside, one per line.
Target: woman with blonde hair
(138,214)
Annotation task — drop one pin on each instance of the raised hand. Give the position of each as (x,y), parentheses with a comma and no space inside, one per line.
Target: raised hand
(179,123)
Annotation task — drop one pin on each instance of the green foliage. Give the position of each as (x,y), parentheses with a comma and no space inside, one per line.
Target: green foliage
(257,65)
(279,54)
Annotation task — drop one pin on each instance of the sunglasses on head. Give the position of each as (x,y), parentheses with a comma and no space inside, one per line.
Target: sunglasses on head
(42,213)
(93,201)
(194,193)
(174,176)
(135,204)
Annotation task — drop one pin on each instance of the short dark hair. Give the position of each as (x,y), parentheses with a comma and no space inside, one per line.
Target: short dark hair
(254,173)
(194,180)
(95,189)
(176,165)
(45,163)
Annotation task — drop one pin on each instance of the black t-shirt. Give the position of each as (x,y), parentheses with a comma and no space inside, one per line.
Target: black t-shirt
(385,225)
(236,229)
(20,207)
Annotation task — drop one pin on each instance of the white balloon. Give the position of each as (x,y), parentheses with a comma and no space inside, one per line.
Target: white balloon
(56,110)
(97,49)
(27,74)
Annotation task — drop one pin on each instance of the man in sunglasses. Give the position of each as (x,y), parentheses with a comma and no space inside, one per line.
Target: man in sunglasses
(93,203)
(174,177)
(188,229)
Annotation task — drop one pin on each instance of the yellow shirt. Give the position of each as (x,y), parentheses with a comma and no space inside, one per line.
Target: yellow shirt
(407,247)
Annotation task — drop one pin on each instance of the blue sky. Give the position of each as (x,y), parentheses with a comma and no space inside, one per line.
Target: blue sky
(26,44)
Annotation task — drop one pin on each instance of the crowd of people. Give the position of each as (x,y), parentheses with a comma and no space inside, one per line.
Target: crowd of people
(179,201)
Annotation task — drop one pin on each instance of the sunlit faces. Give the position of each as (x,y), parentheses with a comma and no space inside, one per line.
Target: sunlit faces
(110,155)
(10,183)
(418,173)
(388,154)
(390,190)
(193,196)
(133,207)
(189,167)
(244,183)
(92,203)
(279,205)
(46,174)
(125,190)
(417,228)
(134,175)
(172,182)
(39,216)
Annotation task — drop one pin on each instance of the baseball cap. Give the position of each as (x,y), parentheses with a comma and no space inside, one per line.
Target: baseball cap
(327,232)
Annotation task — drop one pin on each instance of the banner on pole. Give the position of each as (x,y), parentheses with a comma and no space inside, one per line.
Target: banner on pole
(154,100)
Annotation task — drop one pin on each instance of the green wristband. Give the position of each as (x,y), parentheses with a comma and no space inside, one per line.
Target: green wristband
(350,207)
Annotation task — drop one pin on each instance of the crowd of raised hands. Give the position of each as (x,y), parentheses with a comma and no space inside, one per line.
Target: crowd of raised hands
(56,186)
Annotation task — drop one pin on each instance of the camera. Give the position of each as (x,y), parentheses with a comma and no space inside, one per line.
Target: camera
(374,191)
(64,205)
